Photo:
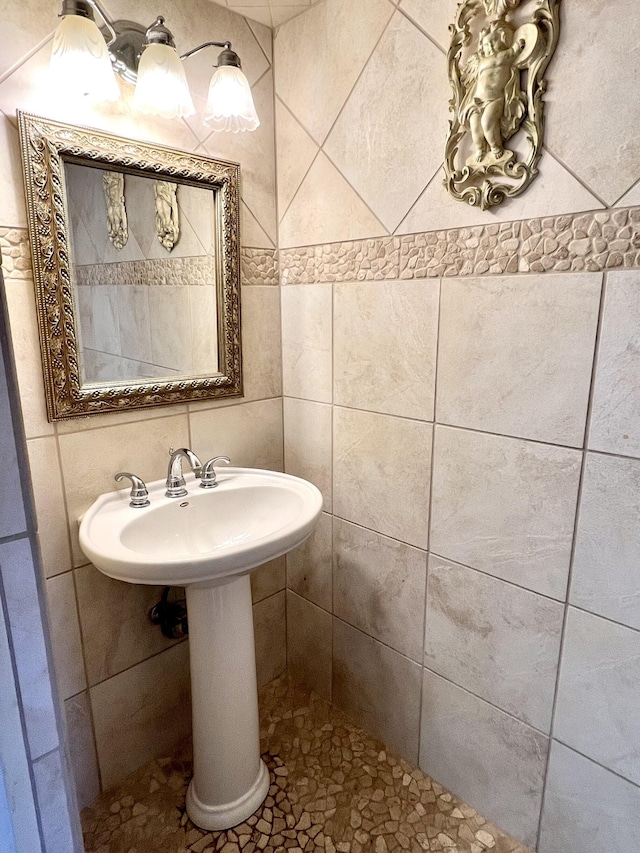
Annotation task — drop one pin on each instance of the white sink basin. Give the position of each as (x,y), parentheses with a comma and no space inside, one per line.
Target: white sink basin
(251,517)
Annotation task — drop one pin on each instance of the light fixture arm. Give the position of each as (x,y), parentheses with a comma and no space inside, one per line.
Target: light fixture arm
(227,57)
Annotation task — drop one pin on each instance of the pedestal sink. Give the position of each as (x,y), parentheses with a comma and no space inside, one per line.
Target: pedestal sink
(209,541)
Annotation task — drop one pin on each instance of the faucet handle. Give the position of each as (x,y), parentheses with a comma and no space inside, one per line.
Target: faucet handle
(139,494)
(208,475)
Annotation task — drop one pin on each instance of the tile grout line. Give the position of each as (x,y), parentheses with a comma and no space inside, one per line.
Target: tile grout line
(563,637)
(425,626)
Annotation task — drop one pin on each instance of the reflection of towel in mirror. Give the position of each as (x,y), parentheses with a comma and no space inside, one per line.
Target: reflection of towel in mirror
(167,217)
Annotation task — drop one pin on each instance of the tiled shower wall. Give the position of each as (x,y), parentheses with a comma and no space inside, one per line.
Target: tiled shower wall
(464,387)
(126,687)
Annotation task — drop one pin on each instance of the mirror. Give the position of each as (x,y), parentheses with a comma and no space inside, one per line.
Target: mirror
(135,251)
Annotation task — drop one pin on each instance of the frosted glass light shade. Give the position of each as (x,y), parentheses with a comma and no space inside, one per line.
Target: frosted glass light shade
(230,103)
(80,63)
(162,87)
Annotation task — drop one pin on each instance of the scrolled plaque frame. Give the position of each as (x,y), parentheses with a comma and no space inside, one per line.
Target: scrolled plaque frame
(497,59)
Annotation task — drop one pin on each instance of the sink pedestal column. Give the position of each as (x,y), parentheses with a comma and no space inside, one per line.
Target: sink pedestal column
(230,781)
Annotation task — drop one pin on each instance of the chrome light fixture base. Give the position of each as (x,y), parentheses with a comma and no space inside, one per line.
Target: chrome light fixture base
(125,50)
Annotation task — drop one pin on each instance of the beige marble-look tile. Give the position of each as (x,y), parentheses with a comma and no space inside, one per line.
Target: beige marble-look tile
(597,711)
(345,38)
(385,339)
(261,343)
(48,495)
(296,151)
(484,756)
(615,420)
(506,507)
(379,587)
(17,782)
(436,209)
(12,205)
(587,809)
(606,563)
(115,623)
(101,420)
(326,209)
(382,466)
(494,639)
(268,579)
(26,350)
(307,443)
(64,629)
(390,174)
(154,698)
(306,342)
(55,805)
(170,322)
(434,16)
(584,81)
(82,750)
(24,26)
(309,567)
(309,644)
(378,688)
(510,347)
(270,628)
(91,459)
(29,649)
(250,434)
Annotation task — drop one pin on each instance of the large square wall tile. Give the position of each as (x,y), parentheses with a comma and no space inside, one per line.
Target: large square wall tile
(597,710)
(381,473)
(509,349)
(309,567)
(385,337)
(378,688)
(494,639)
(307,443)
(269,626)
(309,644)
(306,341)
(615,421)
(115,623)
(484,756)
(606,564)
(155,700)
(587,809)
(379,587)
(506,507)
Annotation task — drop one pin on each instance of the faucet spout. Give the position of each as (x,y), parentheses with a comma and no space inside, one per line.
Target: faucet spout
(176,486)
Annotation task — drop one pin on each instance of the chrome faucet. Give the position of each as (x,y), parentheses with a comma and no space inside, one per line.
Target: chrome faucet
(139,495)
(208,476)
(175,478)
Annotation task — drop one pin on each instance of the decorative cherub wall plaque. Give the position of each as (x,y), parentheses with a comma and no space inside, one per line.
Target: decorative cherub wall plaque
(499,52)
(167,215)
(113,185)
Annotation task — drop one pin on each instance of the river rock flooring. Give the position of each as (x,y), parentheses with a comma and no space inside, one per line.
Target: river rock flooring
(334,789)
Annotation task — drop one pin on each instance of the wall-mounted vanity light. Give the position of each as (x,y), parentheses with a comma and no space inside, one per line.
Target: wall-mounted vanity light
(83,61)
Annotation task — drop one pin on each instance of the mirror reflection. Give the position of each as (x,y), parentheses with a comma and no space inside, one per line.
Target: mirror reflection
(145,275)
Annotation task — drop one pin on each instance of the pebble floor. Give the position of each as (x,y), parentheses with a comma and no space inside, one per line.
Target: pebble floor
(334,789)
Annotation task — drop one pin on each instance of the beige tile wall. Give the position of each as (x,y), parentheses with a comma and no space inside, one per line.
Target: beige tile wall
(115,671)
(468,402)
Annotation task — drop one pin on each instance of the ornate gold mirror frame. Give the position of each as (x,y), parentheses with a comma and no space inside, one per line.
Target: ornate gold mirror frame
(46,146)
(498,55)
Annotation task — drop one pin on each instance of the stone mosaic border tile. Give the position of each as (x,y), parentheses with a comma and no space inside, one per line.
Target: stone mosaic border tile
(15,253)
(259,266)
(159,271)
(585,242)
